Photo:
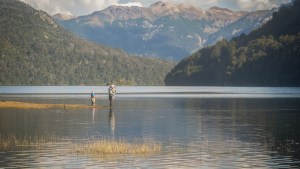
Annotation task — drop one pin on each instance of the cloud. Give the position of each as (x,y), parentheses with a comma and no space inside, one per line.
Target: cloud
(75,7)
(251,5)
(132,4)
(202,4)
(85,7)
(245,5)
(239,5)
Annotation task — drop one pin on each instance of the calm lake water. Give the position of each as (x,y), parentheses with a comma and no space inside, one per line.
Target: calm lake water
(198,127)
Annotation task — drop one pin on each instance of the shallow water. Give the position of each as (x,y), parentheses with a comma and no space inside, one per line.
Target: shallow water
(203,131)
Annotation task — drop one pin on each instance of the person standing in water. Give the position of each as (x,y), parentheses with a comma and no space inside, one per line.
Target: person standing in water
(93,98)
(111,93)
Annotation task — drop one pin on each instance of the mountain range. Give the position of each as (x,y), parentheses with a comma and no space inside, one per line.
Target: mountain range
(35,50)
(165,30)
(268,56)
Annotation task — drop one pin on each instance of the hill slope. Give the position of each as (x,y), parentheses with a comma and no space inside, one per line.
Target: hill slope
(269,56)
(164,29)
(34,50)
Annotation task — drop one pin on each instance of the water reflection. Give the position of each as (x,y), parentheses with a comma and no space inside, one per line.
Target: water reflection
(272,124)
(112,123)
(93,114)
(211,133)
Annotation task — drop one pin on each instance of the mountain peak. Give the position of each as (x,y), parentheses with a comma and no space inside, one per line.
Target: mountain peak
(63,16)
(226,13)
(170,5)
(167,8)
(215,8)
(121,13)
(161,4)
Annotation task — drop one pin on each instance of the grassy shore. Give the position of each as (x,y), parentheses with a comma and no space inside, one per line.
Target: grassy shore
(25,105)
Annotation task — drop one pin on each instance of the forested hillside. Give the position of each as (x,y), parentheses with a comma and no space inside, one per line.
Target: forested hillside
(34,50)
(269,56)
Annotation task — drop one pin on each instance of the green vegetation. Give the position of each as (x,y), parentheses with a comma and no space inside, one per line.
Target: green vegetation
(268,56)
(34,50)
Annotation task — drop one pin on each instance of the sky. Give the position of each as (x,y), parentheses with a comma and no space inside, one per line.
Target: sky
(85,7)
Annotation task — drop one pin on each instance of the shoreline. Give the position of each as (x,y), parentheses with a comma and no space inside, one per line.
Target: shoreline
(27,105)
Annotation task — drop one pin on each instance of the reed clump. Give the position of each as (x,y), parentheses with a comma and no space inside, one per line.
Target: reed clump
(115,147)
(92,146)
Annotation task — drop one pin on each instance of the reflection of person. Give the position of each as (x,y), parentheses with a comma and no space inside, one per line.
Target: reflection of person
(93,112)
(93,98)
(111,93)
(112,122)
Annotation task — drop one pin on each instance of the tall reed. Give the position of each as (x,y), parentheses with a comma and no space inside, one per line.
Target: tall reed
(12,142)
(114,147)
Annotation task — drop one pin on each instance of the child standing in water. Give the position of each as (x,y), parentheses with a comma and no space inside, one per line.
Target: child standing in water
(93,98)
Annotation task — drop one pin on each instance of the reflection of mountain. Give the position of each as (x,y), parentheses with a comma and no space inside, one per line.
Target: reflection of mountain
(164,29)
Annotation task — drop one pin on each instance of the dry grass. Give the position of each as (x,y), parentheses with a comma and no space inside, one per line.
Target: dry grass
(115,147)
(24,105)
(94,147)
(13,143)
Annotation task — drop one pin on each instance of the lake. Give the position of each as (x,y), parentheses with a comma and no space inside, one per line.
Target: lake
(197,127)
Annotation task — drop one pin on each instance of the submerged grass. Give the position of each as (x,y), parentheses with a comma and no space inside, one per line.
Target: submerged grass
(13,143)
(19,143)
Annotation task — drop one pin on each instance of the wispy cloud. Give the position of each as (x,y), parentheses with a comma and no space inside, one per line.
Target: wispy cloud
(239,5)
(75,7)
(84,7)
(258,4)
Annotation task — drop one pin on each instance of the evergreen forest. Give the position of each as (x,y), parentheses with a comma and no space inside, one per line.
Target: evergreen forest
(34,50)
(268,56)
